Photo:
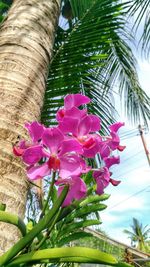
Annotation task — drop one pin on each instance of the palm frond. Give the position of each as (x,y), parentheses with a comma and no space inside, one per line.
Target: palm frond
(141,10)
(79,55)
(89,56)
(121,67)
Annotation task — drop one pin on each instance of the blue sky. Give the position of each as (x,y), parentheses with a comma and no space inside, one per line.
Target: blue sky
(131,198)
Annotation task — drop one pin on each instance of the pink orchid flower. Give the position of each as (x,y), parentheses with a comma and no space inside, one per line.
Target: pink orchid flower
(33,147)
(82,129)
(61,155)
(102,178)
(71,104)
(114,141)
(77,189)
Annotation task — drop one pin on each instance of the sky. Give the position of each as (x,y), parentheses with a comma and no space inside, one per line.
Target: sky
(131,198)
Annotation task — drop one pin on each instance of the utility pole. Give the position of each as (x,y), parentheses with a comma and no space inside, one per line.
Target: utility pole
(144,143)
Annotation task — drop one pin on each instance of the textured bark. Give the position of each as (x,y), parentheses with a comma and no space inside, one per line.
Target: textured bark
(26,41)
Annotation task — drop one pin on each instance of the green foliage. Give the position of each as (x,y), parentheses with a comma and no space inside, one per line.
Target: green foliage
(75,254)
(139,235)
(90,55)
(141,10)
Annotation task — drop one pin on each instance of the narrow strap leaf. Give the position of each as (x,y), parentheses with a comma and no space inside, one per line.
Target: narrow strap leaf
(73,254)
(43,223)
(13,219)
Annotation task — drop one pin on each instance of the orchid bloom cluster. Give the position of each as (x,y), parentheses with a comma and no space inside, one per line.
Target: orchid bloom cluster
(64,149)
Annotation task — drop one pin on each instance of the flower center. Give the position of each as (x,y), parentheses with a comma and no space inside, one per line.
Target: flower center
(89,143)
(54,163)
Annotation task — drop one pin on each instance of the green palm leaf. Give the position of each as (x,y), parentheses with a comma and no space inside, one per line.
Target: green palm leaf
(76,63)
(141,10)
(89,57)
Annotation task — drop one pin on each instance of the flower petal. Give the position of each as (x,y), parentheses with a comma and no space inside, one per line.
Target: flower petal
(102,178)
(32,154)
(18,151)
(70,146)
(69,125)
(60,114)
(38,172)
(95,123)
(35,130)
(90,147)
(114,182)
(121,148)
(104,150)
(113,143)
(69,165)
(84,126)
(77,189)
(111,161)
(52,138)
(75,100)
(115,127)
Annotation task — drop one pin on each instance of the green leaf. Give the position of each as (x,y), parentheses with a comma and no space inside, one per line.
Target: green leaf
(75,236)
(93,65)
(13,219)
(69,228)
(42,224)
(123,264)
(73,254)
(92,199)
(84,211)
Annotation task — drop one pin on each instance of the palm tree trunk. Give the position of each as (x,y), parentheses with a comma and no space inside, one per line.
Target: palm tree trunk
(26,41)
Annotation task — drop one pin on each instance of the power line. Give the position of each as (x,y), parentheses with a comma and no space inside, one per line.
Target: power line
(137,193)
(128,132)
(132,156)
(131,170)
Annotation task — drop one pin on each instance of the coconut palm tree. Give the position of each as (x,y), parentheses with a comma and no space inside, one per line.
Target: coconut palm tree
(139,235)
(26,42)
(90,55)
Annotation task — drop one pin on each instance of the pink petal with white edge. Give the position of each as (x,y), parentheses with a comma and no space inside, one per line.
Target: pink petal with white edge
(75,100)
(52,138)
(84,126)
(95,123)
(116,126)
(32,155)
(35,130)
(69,165)
(70,146)
(38,172)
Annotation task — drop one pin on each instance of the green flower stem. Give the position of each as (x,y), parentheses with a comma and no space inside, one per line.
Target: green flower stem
(49,195)
(49,231)
(42,224)
(7,217)
(73,254)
